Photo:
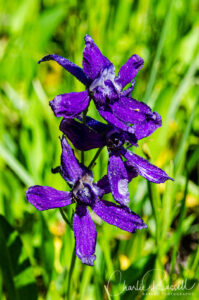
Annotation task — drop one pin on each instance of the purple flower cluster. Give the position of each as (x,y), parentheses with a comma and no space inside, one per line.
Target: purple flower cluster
(128,120)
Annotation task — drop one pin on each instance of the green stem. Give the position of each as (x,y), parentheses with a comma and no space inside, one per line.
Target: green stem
(55,170)
(155,206)
(70,274)
(94,158)
(64,217)
(178,233)
(82,157)
(107,292)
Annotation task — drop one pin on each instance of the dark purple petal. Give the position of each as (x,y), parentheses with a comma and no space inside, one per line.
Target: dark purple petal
(115,138)
(81,136)
(68,66)
(88,194)
(108,115)
(139,114)
(85,235)
(130,137)
(129,70)
(93,60)
(127,92)
(130,110)
(71,170)
(96,125)
(131,170)
(70,105)
(147,127)
(45,197)
(104,186)
(119,216)
(118,179)
(145,169)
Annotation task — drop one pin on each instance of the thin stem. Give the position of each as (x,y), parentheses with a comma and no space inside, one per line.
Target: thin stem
(82,157)
(94,158)
(84,116)
(178,232)
(71,273)
(55,170)
(73,255)
(107,292)
(64,217)
(154,205)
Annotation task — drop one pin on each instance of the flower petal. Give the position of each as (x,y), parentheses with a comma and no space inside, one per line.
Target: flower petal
(139,114)
(104,87)
(147,127)
(82,137)
(96,125)
(68,66)
(108,115)
(70,105)
(45,197)
(71,170)
(145,169)
(130,137)
(131,170)
(88,194)
(119,216)
(104,185)
(118,179)
(85,235)
(130,110)
(129,70)
(127,92)
(93,60)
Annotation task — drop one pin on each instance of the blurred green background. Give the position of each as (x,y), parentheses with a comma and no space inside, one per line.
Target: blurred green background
(35,247)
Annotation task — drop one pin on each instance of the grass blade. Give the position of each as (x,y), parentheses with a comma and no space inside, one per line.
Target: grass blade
(12,162)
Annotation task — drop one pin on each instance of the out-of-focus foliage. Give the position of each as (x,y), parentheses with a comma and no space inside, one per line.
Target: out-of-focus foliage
(35,247)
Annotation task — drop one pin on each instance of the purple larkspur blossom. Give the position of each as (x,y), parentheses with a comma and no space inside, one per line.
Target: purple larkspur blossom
(107,90)
(84,193)
(95,134)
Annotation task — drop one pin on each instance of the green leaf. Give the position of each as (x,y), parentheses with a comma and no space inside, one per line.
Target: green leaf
(184,141)
(156,61)
(18,278)
(46,251)
(16,166)
(140,273)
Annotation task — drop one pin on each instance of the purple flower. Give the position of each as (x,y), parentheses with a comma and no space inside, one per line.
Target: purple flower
(94,134)
(84,193)
(107,90)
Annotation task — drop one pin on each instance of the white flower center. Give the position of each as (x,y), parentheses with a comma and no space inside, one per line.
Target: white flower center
(107,74)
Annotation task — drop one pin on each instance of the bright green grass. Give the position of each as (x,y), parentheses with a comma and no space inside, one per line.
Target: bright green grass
(35,247)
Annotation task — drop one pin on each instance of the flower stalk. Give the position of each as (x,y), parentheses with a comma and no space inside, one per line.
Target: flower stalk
(70,274)
(92,163)
(65,218)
